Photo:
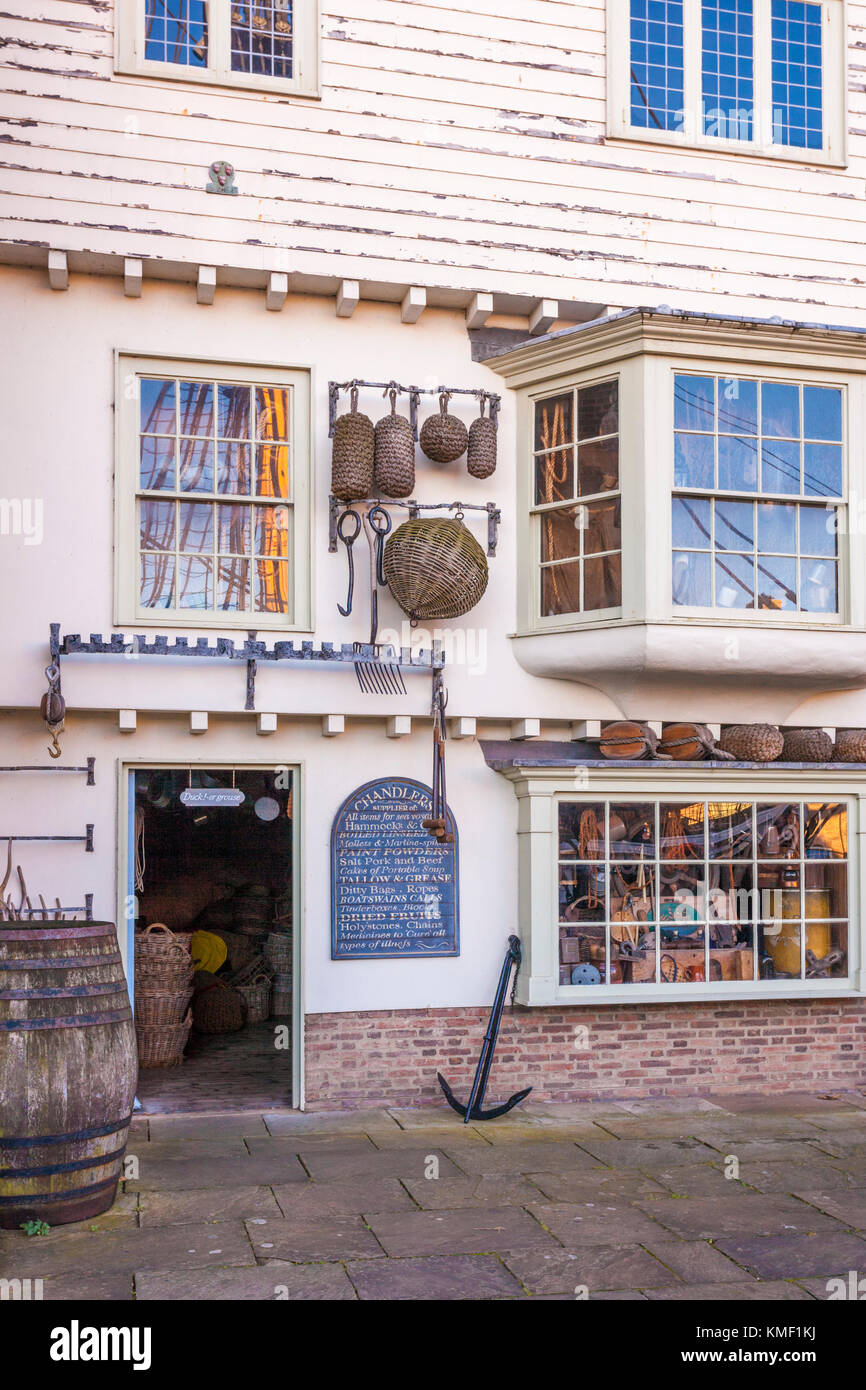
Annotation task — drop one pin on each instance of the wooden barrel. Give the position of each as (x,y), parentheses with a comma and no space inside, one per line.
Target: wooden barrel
(68,1070)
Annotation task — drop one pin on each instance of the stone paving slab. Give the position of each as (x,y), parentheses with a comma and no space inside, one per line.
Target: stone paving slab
(769,1291)
(178,1174)
(705,1218)
(695,1261)
(274,1281)
(623,1185)
(123,1215)
(284,1145)
(597,1223)
(327,1165)
(206,1126)
(672,1105)
(852,1120)
(785,1102)
(848,1206)
(212,1204)
(791,1256)
(434,1277)
(595,1267)
(647,1153)
(701,1180)
(769,1150)
(702,1124)
(328,1121)
(486,1190)
(468,1231)
(313,1239)
(343,1198)
(821,1174)
(159,1149)
(96,1288)
(543,1156)
(69,1249)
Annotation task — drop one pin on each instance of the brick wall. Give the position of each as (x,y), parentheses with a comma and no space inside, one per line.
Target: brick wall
(392,1056)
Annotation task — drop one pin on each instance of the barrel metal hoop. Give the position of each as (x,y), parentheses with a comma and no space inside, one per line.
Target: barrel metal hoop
(71,991)
(28,1199)
(58,933)
(36,1141)
(26,1025)
(61,962)
(74,1166)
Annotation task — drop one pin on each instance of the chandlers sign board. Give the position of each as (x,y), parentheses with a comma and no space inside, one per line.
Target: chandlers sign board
(394,888)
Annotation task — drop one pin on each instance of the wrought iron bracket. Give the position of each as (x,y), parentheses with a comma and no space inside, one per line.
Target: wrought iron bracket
(494,515)
(493,399)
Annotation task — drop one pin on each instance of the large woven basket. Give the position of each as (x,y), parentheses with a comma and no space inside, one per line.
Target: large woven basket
(216,1006)
(807,746)
(394,454)
(163,962)
(281,995)
(256,996)
(752,743)
(435,568)
(443,437)
(162,1045)
(352,454)
(850,746)
(279,951)
(161,1008)
(161,947)
(481,453)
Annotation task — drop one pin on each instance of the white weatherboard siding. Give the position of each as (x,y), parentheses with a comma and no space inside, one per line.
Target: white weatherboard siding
(453,148)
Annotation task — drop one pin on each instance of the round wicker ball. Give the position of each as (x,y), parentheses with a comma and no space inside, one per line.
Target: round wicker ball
(481,453)
(850,746)
(394,464)
(807,746)
(435,568)
(352,454)
(752,743)
(443,437)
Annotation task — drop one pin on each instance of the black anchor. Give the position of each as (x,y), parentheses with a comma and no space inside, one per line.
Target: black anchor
(473,1111)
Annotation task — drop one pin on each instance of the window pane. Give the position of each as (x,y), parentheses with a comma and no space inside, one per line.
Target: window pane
(195,525)
(735,581)
(156,525)
(157,463)
(553,421)
(694,464)
(694,402)
(196,465)
(195,588)
(735,525)
(602,583)
(272,586)
(156,586)
(234,468)
(598,466)
(780,466)
(738,406)
(656,64)
(727,68)
(730,830)
(233,530)
(598,410)
(826,832)
(819,586)
(581,830)
(554,476)
(819,527)
(778,830)
(233,585)
(272,413)
(777,583)
(560,589)
(780,409)
(560,533)
(175,31)
(157,406)
(681,831)
(272,470)
(690,522)
(234,412)
(271,530)
(632,835)
(796,70)
(822,470)
(602,527)
(738,464)
(691,579)
(261,37)
(777,527)
(822,413)
(196,408)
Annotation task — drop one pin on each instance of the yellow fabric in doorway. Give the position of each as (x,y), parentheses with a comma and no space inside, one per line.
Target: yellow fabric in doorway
(208,951)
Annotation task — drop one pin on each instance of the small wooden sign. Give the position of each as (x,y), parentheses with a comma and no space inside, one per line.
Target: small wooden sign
(212,796)
(394,888)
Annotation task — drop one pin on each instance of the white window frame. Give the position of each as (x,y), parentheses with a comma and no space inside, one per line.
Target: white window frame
(834,87)
(127,608)
(129,50)
(540,791)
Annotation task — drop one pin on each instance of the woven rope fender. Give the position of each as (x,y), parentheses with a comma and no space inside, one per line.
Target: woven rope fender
(394,465)
(752,743)
(481,453)
(443,437)
(435,568)
(807,746)
(352,454)
(850,746)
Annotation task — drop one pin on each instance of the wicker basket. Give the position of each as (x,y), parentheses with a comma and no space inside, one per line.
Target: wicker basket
(435,568)
(752,743)
(279,950)
(352,454)
(216,1006)
(481,453)
(394,454)
(807,746)
(162,1045)
(443,436)
(167,944)
(281,995)
(850,746)
(256,996)
(161,1008)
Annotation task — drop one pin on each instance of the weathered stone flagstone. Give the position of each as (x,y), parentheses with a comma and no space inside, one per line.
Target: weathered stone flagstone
(595,1267)
(789,1256)
(291,1122)
(704,1218)
(695,1261)
(206,1126)
(485,1190)
(313,1238)
(769,1150)
(468,1231)
(648,1154)
(770,1291)
(180,1174)
(329,1165)
(276,1281)
(214,1204)
(99,1288)
(820,1174)
(544,1156)
(623,1185)
(285,1145)
(434,1277)
(848,1205)
(597,1223)
(343,1198)
(700,1180)
(69,1249)
(188,1149)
